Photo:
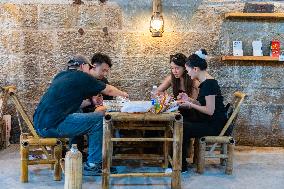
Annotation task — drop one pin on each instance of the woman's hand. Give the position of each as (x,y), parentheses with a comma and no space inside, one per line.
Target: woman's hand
(186,104)
(182,97)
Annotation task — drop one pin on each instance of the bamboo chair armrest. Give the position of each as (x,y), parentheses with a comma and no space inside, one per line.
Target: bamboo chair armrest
(218,139)
(41,141)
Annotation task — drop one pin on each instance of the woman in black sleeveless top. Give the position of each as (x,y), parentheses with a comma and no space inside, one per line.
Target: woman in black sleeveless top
(207,114)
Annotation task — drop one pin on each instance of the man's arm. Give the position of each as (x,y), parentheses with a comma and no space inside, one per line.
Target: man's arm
(113,91)
(85,103)
(106,97)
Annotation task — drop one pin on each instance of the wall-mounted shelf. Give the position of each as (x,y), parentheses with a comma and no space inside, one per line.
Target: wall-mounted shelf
(251,58)
(240,15)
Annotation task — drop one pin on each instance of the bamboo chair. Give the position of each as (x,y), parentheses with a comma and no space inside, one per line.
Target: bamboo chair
(225,150)
(32,144)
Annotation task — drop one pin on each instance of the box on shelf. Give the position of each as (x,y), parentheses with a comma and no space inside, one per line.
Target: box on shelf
(238,48)
(258,8)
(275,48)
(257,48)
(281,57)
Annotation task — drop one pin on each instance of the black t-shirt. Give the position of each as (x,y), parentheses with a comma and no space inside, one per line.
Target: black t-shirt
(211,87)
(92,108)
(64,96)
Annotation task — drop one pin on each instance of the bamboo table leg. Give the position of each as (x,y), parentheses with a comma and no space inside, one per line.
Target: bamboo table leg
(177,153)
(166,147)
(106,152)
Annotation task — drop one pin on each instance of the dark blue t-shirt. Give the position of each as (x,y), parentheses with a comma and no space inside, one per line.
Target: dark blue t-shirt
(64,96)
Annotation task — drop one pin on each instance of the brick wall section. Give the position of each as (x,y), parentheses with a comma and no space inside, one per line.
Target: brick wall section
(38,37)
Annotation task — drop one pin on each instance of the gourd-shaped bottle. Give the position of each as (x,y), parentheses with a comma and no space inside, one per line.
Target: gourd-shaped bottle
(73,168)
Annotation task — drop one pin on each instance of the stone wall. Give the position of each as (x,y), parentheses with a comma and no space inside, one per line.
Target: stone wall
(39,36)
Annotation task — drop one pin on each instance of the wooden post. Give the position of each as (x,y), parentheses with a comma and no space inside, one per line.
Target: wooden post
(106,151)
(57,156)
(229,167)
(3,111)
(224,150)
(177,152)
(7,125)
(24,150)
(2,133)
(201,156)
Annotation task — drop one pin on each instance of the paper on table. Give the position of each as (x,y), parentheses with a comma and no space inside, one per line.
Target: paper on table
(136,106)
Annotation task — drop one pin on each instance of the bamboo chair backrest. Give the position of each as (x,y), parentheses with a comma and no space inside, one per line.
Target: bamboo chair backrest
(236,104)
(10,90)
(24,115)
(237,101)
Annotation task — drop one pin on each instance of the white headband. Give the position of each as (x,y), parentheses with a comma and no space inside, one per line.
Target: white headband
(200,54)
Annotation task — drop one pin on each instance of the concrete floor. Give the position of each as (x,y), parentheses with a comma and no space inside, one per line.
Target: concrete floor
(254,168)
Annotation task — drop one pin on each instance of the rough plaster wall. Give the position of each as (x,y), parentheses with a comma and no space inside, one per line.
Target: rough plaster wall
(39,36)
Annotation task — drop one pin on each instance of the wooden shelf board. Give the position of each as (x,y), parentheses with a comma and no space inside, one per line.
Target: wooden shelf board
(255,15)
(250,58)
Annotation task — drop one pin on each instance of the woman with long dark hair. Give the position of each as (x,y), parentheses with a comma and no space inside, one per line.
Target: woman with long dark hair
(179,80)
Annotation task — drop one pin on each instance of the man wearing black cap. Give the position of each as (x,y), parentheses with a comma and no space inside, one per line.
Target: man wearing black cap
(56,114)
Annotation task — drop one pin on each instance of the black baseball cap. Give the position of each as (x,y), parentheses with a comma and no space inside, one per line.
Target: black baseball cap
(76,61)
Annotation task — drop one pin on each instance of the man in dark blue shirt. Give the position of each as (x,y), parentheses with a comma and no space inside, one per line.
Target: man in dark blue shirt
(57,113)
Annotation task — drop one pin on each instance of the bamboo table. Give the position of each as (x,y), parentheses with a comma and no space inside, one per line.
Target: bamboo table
(172,122)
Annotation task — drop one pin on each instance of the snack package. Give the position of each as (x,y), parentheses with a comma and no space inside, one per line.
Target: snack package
(164,103)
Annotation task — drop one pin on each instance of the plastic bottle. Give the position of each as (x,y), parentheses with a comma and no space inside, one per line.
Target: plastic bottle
(154,95)
(73,169)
